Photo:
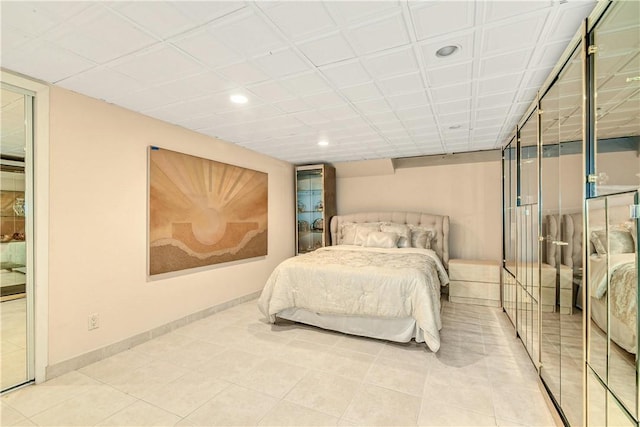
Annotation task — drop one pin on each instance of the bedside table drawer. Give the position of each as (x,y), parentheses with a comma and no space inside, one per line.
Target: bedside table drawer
(474,271)
(475,290)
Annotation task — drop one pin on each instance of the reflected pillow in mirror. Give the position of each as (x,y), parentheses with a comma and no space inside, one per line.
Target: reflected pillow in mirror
(620,241)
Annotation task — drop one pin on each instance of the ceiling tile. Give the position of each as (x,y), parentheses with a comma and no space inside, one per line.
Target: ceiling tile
(202,45)
(495,11)
(496,112)
(513,35)
(327,49)
(452,93)
(299,19)
(36,18)
(324,99)
(84,34)
(292,105)
(270,91)
(338,112)
(451,75)
(453,107)
(378,118)
(151,67)
(305,84)
(508,63)
(361,92)
(101,83)
(345,74)
(161,19)
(45,60)
(245,32)
(281,63)
(390,63)
(499,99)
(498,84)
(422,112)
(442,17)
(201,12)
(312,117)
(408,100)
(386,33)
(401,84)
(373,106)
(459,119)
(197,86)
(243,73)
(351,11)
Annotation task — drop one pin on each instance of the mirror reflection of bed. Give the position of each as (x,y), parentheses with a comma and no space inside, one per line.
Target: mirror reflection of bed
(613,280)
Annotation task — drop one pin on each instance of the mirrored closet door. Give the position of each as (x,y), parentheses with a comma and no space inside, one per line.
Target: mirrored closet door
(611,241)
(560,268)
(585,277)
(16,288)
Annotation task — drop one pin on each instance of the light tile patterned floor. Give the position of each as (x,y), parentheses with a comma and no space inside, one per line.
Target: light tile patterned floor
(234,369)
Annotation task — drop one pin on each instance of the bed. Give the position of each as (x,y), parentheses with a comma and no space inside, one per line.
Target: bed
(381,278)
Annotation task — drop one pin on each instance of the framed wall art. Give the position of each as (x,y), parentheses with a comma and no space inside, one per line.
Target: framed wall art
(203,212)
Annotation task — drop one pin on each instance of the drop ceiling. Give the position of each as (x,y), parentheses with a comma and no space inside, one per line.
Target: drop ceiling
(361,75)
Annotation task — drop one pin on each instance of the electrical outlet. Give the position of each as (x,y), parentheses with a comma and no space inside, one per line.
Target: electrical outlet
(93,321)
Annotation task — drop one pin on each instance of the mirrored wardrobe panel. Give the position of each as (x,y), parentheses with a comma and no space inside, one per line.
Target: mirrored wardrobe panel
(570,277)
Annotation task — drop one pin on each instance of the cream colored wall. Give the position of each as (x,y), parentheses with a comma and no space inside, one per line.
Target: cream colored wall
(98,226)
(469,193)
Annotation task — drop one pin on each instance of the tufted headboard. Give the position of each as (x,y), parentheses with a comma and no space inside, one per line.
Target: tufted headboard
(550,231)
(572,235)
(439,223)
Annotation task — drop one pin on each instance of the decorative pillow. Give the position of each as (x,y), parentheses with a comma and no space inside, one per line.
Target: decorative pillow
(363,230)
(381,239)
(347,233)
(402,230)
(620,241)
(421,237)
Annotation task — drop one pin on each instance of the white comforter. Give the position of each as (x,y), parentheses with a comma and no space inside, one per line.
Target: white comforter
(623,285)
(359,281)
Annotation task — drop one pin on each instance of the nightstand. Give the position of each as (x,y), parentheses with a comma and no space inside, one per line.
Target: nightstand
(474,282)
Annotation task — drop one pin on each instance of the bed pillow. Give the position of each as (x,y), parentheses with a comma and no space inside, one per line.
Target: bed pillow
(402,230)
(347,234)
(381,239)
(363,230)
(421,237)
(620,241)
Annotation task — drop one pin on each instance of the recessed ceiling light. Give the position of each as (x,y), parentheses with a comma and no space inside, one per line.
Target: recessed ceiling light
(455,127)
(445,51)
(323,143)
(239,99)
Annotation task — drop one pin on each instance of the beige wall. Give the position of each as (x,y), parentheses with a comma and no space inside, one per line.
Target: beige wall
(98,226)
(469,193)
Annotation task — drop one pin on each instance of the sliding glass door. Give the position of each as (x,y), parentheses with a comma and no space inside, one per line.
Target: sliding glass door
(16,238)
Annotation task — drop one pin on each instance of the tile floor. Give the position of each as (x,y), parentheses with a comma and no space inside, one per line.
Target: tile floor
(232,368)
(13,342)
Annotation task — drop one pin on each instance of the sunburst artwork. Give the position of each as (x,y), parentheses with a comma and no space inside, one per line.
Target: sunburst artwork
(203,212)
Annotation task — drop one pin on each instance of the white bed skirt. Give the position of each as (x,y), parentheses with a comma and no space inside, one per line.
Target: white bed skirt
(390,329)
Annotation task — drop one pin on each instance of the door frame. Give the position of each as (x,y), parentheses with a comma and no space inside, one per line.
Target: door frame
(39,238)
